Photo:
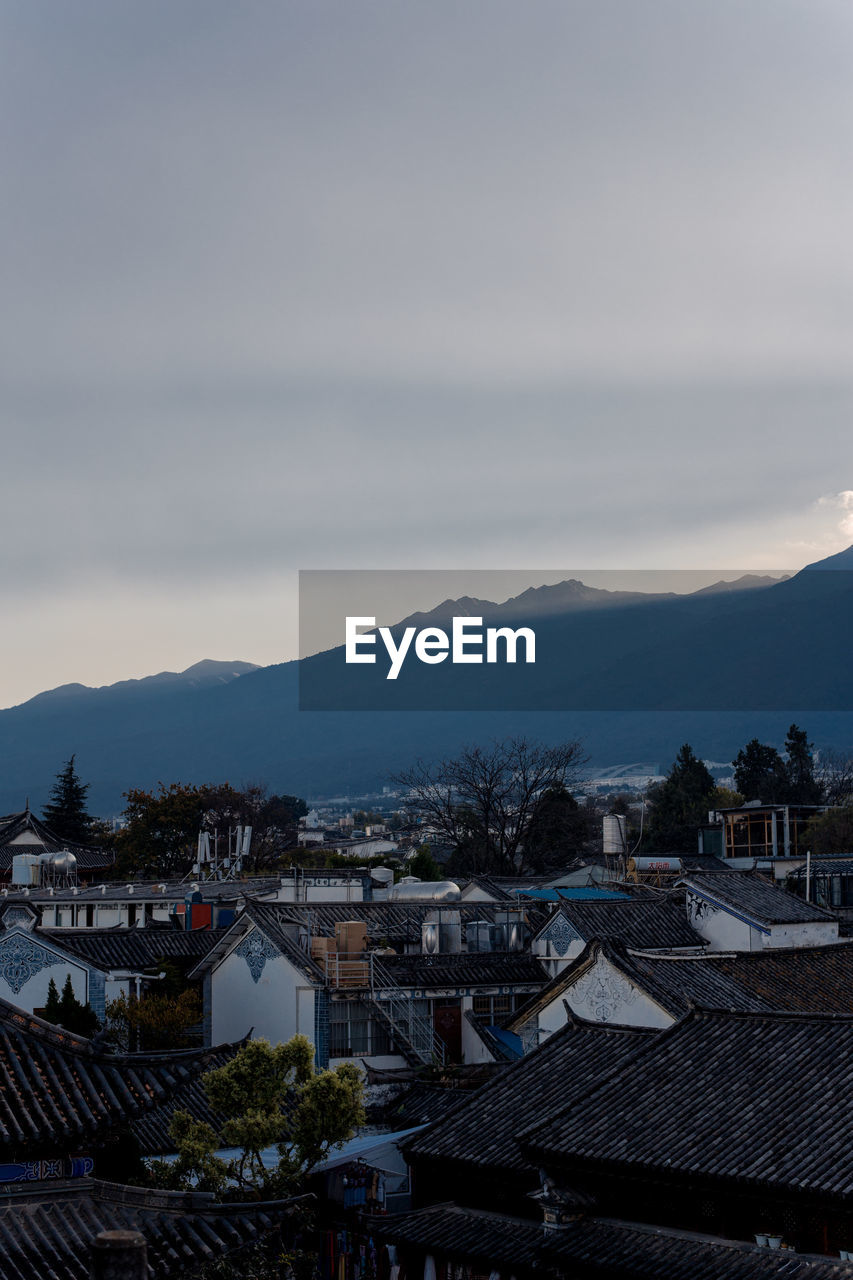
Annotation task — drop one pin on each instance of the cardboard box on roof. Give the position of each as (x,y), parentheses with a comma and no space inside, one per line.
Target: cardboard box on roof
(322,946)
(351,936)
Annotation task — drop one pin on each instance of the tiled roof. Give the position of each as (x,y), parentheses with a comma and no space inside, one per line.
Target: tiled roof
(799,979)
(60,1089)
(769,1100)
(756,897)
(398,922)
(395,922)
(647,923)
(464,968)
(134,948)
(792,979)
(594,1247)
(424,1103)
(481,1129)
(15,824)
(147,892)
(468,1233)
(46,1230)
(151,1128)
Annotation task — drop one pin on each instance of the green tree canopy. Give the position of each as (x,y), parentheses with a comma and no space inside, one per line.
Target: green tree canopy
(559,828)
(268,1096)
(762,773)
(830,832)
(157,1020)
(52,1006)
(423,865)
(803,786)
(66,813)
(160,836)
(759,772)
(680,804)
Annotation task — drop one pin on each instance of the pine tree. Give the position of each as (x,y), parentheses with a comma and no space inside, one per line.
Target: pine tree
(80,1019)
(65,813)
(680,804)
(52,1007)
(760,773)
(803,787)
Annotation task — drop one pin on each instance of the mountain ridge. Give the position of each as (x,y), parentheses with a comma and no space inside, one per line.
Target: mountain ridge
(735,649)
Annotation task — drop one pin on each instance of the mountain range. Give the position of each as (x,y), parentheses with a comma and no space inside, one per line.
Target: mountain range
(632,675)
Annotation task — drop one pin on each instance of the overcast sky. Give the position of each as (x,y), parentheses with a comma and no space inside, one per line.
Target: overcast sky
(337,284)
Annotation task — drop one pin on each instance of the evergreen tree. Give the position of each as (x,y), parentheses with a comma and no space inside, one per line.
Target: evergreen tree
(680,804)
(80,1019)
(760,773)
(803,787)
(65,813)
(52,1007)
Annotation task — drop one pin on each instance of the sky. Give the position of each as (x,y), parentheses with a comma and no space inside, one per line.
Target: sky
(344,284)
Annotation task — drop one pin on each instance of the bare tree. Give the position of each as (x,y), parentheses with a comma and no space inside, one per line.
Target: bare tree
(834,772)
(484,800)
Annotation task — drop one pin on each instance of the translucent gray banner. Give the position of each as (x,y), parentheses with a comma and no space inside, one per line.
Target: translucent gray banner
(627,640)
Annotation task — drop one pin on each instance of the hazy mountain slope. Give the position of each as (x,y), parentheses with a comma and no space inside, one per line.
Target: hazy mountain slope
(617,666)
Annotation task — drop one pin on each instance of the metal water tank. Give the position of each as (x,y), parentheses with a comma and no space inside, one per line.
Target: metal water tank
(425,891)
(615,833)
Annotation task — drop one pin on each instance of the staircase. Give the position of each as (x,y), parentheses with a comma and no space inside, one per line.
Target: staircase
(414,1035)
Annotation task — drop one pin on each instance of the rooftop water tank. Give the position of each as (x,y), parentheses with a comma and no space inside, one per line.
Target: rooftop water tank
(425,891)
(614,831)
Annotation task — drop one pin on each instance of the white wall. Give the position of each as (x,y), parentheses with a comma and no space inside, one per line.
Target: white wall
(817,933)
(725,931)
(720,929)
(473,1049)
(602,994)
(33,993)
(278,1005)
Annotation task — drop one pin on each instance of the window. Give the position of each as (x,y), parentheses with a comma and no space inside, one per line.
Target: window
(493,1008)
(353,1033)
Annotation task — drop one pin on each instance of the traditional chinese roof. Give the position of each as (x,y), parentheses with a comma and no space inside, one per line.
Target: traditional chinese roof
(593,1247)
(151,1128)
(646,923)
(46,1230)
(42,840)
(481,1128)
(766,1092)
(146,892)
(795,979)
(60,1090)
(756,897)
(465,968)
(123,948)
(398,922)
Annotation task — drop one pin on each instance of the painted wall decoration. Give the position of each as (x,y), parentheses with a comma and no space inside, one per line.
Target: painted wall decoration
(560,934)
(256,949)
(607,994)
(20,958)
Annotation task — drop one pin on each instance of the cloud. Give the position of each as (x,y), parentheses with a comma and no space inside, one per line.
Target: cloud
(843,502)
